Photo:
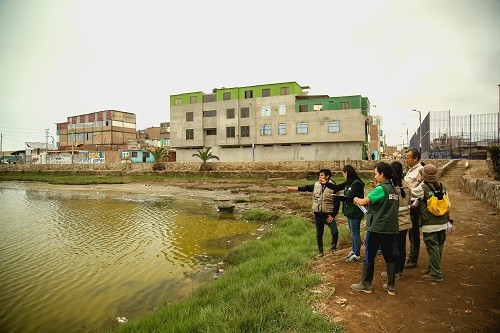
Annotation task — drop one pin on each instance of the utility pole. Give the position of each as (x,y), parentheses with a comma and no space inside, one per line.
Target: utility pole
(46,146)
(407,139)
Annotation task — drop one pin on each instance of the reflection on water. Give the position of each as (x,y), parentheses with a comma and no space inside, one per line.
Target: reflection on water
(73,261)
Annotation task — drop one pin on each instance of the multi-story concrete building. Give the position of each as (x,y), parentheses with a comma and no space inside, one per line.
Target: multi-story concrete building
(269,122)
(102,130)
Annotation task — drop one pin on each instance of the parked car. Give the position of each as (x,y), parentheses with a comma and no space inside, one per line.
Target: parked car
(11,159)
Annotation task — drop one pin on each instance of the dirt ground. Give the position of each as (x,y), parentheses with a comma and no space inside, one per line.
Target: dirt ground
(467,300)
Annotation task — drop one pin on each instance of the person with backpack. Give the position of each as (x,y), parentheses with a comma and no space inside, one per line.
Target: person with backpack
(435,213)
(353,187)
(382,228)
(325,207)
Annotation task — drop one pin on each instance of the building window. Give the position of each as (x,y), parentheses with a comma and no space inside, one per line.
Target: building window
(145,154)
(230,132)
(209,98)
(282,110)
(265,111)
(248,93)
(303,108)
(265,129)
(285,91)
(344,105)
(210,113)
(266,92)
(318,107)
(245,112)
(135,154)
(334,126)
(189,116)
(177,101)
(245,131)
(211,131)
(226,96)
(193,99)
(229,113)
(189,134)
(302,128)
(282,129)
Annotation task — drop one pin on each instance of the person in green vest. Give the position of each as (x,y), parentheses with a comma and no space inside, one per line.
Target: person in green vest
(382,228)
(325,207)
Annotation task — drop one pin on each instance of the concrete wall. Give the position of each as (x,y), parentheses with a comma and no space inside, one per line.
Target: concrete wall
(286,169)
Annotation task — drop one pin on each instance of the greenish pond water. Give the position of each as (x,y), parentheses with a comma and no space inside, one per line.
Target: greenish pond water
(74,262)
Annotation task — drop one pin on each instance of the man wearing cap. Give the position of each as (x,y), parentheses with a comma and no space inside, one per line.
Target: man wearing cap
(412,157)
(433,227)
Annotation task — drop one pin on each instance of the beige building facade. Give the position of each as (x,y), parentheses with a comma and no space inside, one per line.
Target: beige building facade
(272,122)
(102,130)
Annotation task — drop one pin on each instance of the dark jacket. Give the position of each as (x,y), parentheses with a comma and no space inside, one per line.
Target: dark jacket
(352,188)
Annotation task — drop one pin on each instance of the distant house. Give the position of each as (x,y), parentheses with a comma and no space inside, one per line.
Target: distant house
(136,156)
(36,152)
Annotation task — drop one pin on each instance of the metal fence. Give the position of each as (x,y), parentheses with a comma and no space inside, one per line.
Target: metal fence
(461,136)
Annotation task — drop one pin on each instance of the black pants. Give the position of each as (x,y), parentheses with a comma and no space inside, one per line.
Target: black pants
(401,251)
(414,234)
(387,243)
(319,222)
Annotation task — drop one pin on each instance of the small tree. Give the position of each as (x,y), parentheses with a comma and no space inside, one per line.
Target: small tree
(204,155)
(160,153)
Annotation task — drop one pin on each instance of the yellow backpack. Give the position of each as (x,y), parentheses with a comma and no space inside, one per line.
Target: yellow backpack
(438,203)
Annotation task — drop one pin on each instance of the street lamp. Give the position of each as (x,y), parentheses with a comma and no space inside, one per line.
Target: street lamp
(419,130)
(407,141)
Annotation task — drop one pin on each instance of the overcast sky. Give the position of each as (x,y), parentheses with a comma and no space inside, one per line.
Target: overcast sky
(60,58)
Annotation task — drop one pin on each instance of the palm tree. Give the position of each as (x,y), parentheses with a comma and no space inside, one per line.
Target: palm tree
(204,155)
(160,153)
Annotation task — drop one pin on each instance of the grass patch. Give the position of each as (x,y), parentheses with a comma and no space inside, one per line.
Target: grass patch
(259,215)
(266,288)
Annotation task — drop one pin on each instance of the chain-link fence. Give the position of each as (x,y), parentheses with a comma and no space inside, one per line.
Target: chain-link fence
(461,136)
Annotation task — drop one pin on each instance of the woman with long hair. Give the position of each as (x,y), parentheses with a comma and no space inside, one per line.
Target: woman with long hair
(382,228)
(353,187)
(404,220)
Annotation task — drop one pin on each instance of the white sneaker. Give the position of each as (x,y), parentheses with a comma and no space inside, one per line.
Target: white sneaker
(349,254)
(353,258)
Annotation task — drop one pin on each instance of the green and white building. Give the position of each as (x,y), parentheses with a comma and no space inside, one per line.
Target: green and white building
(269,122)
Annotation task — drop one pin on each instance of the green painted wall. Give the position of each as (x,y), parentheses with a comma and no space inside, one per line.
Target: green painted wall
(333,103)
(185,98)
(239,92)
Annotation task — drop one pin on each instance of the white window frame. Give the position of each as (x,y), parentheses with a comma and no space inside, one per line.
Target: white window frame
(265,111)
(265,130)
(282,129)
(282,110)
(302,127)
(334,126)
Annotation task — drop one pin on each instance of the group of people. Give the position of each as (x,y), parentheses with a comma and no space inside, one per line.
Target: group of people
(394,208)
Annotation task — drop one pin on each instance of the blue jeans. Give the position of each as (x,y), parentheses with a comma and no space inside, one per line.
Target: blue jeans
(354,227)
